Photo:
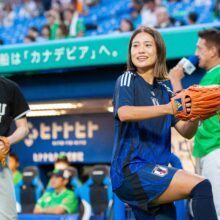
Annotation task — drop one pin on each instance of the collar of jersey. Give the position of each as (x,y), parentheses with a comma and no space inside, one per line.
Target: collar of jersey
(152,86)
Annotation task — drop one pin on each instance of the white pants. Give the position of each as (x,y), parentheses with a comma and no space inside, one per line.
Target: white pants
(209,167)
(7,195)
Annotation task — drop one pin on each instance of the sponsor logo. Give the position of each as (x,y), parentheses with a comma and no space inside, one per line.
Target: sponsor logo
(47,199)
(62,134)
(179,105)
(32,135)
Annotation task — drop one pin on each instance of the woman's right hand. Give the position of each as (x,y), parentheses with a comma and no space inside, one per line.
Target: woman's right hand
(171,110)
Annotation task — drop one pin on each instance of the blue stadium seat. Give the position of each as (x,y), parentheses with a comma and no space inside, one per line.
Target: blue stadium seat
(96,194)
(108,11)
(29,189)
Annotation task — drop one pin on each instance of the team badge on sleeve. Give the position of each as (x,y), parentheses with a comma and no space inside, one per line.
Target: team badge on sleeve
(160,171)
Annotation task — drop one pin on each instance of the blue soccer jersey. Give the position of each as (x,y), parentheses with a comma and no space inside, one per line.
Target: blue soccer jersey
(140,142)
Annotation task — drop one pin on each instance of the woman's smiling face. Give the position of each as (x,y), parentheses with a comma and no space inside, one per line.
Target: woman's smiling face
(143,51)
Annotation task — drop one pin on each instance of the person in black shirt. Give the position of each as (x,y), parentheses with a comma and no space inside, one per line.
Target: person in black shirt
(13,107)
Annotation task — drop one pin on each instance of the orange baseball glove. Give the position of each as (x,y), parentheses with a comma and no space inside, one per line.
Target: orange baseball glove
(205,102)
(4,151)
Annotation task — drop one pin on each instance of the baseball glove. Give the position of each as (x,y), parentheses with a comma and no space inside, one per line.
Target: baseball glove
(4,151)
(205,102)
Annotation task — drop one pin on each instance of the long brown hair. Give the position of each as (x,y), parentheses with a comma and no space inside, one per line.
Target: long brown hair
(160,69)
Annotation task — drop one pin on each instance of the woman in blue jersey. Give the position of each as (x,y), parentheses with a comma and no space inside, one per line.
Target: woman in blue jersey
(143,120)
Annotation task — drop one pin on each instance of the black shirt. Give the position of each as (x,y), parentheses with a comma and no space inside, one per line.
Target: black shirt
(12,104)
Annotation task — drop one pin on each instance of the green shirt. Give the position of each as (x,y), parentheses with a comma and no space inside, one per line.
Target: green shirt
(207,137)
(80,27)
(65,199)
(53,30)
(17,177)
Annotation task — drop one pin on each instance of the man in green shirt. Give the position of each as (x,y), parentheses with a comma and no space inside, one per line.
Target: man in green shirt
(60,201)
(207,138)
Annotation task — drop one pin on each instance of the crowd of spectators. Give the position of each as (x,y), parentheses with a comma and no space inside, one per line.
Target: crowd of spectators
(62,18)
(76,18)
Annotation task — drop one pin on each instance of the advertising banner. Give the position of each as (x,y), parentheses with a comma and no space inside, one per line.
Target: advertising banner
(92,51)
(85,138)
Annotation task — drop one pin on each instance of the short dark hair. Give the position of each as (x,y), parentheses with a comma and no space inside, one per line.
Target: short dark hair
(129,22)
(33,29)
(62,158)
(147,1)
(212,37)
(193,16)
(160,69)
(45,26)
(31,38)
(13,155)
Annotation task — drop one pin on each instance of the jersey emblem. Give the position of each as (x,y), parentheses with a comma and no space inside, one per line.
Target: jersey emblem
(155,101)
(160,171)
(65,200)
(47,199)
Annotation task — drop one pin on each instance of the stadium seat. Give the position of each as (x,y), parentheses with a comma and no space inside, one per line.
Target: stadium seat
(74,182)
(96,195)
(29,189)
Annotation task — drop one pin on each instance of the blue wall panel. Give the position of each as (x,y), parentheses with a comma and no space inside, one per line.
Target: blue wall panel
(96,83)
(83,84)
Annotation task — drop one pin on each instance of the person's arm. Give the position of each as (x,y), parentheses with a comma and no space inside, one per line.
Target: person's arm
(58,210)
(37,210)
(136,113)
(187,128)
(20,132)
(40,204)
(176,74)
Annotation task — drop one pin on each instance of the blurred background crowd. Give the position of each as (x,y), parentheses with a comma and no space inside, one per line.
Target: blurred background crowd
(42,20)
